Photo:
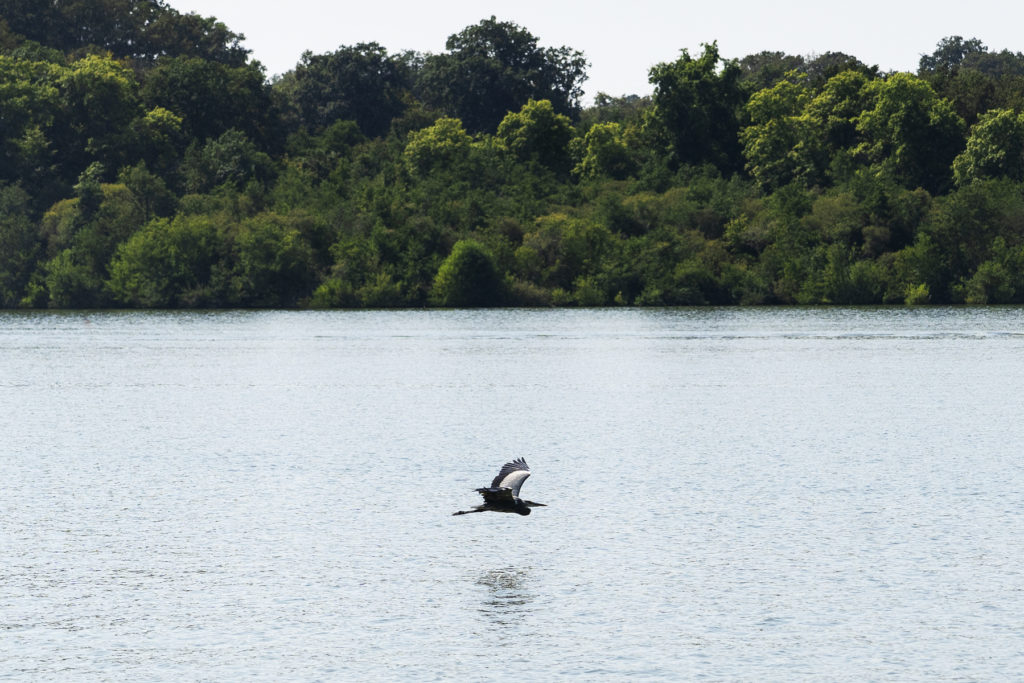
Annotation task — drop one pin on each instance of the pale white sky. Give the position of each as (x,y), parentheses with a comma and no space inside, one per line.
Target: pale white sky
(622,40)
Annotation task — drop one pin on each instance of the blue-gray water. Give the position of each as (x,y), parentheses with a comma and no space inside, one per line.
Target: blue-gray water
(744,494)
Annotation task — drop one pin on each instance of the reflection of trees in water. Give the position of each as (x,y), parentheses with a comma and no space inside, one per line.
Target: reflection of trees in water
(507,593)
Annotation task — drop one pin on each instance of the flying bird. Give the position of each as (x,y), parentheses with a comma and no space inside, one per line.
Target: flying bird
(503,493)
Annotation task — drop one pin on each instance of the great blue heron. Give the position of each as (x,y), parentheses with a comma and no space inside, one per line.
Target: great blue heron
(503,494)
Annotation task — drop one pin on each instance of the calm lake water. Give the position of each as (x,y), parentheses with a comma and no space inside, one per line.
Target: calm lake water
(741,494)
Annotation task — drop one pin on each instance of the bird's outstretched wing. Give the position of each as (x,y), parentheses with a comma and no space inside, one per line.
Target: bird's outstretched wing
(498,496)
(512,475)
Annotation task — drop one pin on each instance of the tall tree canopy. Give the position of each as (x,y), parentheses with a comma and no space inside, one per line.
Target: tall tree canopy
(211,97)
(144,30)
(696,106)
(912,131)
(995,148)
(949,54)
(495,67)
(362,83)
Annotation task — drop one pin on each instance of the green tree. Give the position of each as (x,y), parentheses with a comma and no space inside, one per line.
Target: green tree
(493,68)
(911,132)
(605,152)
(765,69)
(837,108)
(212,98)
(781,144)
(89,190)
(444,145)
(995,149)
(992,283)
(158,140)
(40,22)
(362,83)
(974,79)
(142,30)
(468,278)
(89,86)
(19,244)
(959,233)
(169,263)
(275,264)
(30,101)
(696,107)
(949,54)
(81,235)
(231,159)
(561,249)
(537,134)
(149,192)
(625,110)
(822,68)
(972,93)
(170,33)
(69,283)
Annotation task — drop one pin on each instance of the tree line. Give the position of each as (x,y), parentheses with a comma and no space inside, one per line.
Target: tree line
(146,160)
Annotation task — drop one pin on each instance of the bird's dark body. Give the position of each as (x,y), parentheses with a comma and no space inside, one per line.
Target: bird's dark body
(501,500)
(503,493)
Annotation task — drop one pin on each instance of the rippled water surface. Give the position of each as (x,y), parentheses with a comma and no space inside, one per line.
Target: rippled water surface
(732,495)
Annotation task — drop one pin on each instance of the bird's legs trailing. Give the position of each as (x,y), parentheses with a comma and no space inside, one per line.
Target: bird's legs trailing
(466,512)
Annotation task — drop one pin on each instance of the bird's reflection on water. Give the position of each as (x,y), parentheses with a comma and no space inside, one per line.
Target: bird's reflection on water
(507,595)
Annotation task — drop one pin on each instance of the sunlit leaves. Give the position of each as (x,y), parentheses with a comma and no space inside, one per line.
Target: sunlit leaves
(911,131)
(444,145)
(536,134)
(781,144)
(995,148)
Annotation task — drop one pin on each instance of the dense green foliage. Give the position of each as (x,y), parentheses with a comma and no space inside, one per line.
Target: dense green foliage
(147,161)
